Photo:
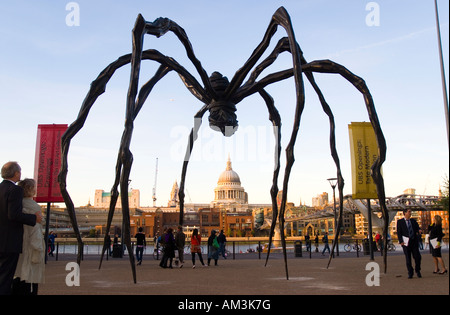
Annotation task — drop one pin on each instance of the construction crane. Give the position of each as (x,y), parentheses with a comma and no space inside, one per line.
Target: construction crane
(154,186)
(189,195)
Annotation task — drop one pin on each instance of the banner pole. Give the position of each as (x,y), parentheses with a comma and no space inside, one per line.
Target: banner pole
(369,210)
(47,225)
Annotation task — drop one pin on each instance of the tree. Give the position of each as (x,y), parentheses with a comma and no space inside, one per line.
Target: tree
(92,233)
(445,194)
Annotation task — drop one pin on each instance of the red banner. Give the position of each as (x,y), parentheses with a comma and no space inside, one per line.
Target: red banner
(48,162)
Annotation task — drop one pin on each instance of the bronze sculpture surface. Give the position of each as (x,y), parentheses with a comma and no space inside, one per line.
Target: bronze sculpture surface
(220,98)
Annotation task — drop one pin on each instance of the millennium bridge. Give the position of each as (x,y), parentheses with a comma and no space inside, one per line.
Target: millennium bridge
(355,206)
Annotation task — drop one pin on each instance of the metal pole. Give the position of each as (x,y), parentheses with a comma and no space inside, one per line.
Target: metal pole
(441,60)
(370,230)
(357,248)
(47,225)
(310,247)
(336,225)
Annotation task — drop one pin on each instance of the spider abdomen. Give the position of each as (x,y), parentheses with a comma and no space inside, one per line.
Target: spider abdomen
(222,117)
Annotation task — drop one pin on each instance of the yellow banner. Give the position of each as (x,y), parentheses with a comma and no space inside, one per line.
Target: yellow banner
(364,152)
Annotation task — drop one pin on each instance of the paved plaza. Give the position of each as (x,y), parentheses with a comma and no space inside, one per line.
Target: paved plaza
(246,275)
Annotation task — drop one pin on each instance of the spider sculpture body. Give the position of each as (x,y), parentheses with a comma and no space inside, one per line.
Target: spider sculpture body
(220,98)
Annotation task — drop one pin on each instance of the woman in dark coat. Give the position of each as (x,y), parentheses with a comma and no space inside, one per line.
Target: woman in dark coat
(436,235)
(169,249)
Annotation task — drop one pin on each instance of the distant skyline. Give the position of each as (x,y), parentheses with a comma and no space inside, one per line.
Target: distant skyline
(52,51)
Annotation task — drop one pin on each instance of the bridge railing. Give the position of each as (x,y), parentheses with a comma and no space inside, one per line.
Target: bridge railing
(248,248)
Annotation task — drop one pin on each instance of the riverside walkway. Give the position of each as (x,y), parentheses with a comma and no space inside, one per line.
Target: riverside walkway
(246,275)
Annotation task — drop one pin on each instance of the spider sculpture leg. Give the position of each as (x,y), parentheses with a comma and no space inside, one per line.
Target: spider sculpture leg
(97,88)
(143,94)
(326,108)
(71,211)
(280,18)
(327,66)
(275,118)
(125,155)
(124,160)
(191,140)
(159,28)
(282,46)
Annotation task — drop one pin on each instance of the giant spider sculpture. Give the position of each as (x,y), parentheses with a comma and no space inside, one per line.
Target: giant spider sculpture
(220,98)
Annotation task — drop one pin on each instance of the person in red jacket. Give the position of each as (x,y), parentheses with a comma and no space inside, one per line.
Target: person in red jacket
(196,241)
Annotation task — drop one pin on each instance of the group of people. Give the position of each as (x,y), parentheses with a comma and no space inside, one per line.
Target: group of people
(325,242)
(409,235)
(171,243)
(408,230)
(22,246)
(410,238)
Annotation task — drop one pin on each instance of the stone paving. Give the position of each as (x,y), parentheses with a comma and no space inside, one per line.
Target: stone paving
(347,275)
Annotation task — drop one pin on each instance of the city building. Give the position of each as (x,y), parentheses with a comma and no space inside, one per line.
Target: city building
(229,194)
(238,224)
(229,211)
(321,200)
(174,200)
(102,199)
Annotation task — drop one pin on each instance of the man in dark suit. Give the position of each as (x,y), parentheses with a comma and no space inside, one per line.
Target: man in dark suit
(409,232)
(11,224)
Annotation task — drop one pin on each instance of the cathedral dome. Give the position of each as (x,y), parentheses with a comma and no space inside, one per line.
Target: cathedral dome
(229,192)
(229,177)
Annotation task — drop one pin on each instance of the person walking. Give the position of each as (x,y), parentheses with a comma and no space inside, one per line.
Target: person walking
(435,239)
(408,232)
(31,265)
(12,220)
(140,245)
(316,243)
(169,249)
(222,239)
(180,242)
(213,248)
(325,243)
(379,241)
(108,245)
(117,247)
(162,244)
(196,241)
(51,243)
(308,242)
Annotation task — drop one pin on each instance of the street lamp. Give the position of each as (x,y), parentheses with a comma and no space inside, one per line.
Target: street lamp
(333,182)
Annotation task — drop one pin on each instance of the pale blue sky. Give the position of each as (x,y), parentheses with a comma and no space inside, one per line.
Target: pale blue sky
(46,68)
